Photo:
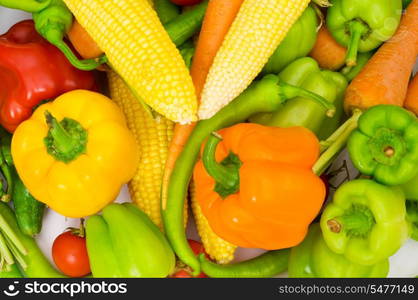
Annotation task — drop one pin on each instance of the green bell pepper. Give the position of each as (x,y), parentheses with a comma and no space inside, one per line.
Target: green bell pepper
(365,221)
(313,259)
(410,189)
(298,42)
(385,144)
(302,111)
(363,25)
(123,242)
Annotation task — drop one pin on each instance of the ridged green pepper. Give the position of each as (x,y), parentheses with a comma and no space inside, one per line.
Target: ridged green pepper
(363,25)
(313,259)
(365,221)
(298,42)
(123,242)
(301,111)
(385,144)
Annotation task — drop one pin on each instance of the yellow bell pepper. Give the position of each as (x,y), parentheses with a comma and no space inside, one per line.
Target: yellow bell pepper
(75,153)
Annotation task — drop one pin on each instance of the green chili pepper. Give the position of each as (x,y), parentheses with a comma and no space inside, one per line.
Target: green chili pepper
(123,242)
(187,51)
(266,96)
(22,248)
(6,165)
(166,10)
(365,221)
(302,111)
(363,25)
(185,25)
(313,259)
(351,72)
(385,145)
(266,265)
(53,20)
(298,42)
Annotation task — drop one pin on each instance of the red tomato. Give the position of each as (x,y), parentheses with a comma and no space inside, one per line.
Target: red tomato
(69,252)
(185,271)
(186,2)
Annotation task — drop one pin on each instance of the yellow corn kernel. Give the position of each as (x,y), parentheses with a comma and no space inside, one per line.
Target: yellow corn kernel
(139,49)
(218,249)
(153,137)
(256,32)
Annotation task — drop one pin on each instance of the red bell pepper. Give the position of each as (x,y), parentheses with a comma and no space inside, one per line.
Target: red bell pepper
(31,71)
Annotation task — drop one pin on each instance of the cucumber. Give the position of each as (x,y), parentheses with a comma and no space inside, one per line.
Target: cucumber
(29,211)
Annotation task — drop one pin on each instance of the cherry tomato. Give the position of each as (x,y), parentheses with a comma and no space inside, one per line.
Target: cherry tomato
(184,271)
(186,2)
(69,253)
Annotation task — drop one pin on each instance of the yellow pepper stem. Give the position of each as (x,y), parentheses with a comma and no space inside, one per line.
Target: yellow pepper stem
(66,140)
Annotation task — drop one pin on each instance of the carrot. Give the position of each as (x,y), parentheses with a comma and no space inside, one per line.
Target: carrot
(83,42)
(218,18)
(411,100)
(327,52)
(384,79)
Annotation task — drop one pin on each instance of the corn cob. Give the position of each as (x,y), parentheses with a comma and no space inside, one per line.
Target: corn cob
(153,137)
(256,32)
(218,249)
(140,51)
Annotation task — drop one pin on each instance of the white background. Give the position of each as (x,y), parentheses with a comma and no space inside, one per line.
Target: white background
(403,264)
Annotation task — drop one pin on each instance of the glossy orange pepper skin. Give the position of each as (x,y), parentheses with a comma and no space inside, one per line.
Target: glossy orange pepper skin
(279,195)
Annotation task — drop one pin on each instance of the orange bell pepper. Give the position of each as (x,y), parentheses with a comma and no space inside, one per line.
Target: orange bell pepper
(256,186)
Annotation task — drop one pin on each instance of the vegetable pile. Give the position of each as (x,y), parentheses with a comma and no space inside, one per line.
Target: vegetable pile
(238,109)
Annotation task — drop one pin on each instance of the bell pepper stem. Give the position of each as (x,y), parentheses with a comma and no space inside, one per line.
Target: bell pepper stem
(335,143)
(31,6)
(226,176)
(357,30)
(357,221)
(63,141)
(84,64)
(289,91)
